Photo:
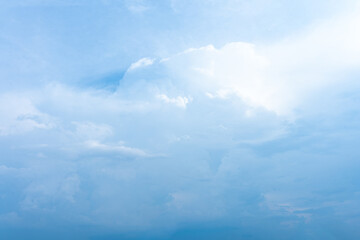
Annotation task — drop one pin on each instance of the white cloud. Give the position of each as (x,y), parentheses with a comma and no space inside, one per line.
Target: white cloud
(141,63)
(19,115)
(211,165)
(278,77)
(117,148)
(235,69)
(178,101)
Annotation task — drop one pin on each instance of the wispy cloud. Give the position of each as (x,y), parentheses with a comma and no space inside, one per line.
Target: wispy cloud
(117,148)
(19,115)
(141,63)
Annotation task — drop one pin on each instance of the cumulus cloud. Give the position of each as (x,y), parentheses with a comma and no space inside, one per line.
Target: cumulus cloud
(235,149)
(278,77)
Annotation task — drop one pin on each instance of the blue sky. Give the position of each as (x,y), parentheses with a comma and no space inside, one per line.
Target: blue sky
(178,119)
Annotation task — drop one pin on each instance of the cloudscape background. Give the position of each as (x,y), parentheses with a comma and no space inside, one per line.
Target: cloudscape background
(179,119)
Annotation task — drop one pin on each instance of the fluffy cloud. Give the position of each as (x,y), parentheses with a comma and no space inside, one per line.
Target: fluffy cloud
(277,77)
(228,134)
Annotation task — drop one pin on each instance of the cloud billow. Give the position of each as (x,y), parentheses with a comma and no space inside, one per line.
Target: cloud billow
(245,140)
